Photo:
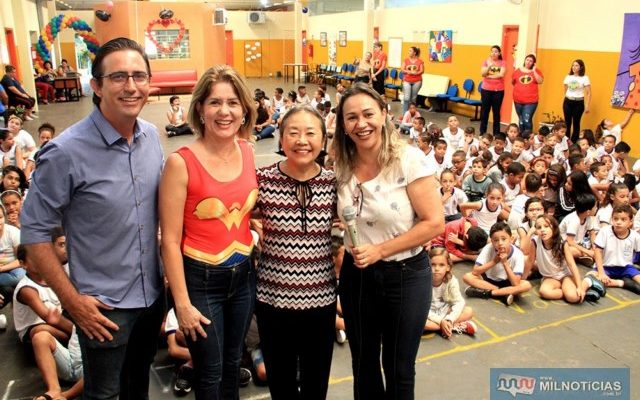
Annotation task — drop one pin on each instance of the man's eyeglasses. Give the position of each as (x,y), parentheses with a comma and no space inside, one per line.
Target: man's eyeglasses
(121,77)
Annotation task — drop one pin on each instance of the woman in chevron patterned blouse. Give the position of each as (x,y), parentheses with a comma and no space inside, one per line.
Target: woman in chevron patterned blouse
(296,293)
(385,281)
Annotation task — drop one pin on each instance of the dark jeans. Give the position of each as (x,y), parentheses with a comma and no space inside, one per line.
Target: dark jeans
(183,129)
(385,304)
(525,115)
(119,369)
(491,101)
(573,110)
(224,295)
(378,84)
(291,336)
(365,79)
(266,132)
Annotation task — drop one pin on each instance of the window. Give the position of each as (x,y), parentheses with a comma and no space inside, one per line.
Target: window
(165,38)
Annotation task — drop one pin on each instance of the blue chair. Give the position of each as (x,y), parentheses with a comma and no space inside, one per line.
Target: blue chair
(442,98)
(330,77)
(475,103)
(467,86)
(351,69)
(393,85)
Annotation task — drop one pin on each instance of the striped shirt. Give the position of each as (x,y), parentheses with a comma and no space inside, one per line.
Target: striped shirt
(296,271)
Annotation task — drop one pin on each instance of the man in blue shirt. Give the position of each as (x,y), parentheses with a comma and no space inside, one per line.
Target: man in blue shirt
(99,180)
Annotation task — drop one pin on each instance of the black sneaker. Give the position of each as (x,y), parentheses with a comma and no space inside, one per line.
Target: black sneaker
(245,377)
(631,285)
(506,300)
(182,386)
(591,295)
(597,285)
(479,293)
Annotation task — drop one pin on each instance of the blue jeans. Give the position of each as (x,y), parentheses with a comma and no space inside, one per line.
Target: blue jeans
(225,295)
(409,94)
(11,278)
(266,132)
(385,305)
(119,369)
(525,115)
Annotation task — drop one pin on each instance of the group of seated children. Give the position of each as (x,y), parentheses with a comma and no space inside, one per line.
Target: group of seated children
(526,205)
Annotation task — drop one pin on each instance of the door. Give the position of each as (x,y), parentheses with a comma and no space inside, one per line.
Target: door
(228,41)
(253,58)
(13,51)
(509,48)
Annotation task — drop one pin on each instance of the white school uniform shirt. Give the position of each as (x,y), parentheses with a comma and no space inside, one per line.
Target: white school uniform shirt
(171,324)
(454,142)
(509,194)
(414,135)
(439,167)
(508,145)
(548,266)
(383,203)
(617,252)
(571,225)
(23,316)
(604,214)
(451,205)
(526,156)
(497,273)
(495,155)
(537,143)
(485,217)
(25,141)
(474,143)
(276,104)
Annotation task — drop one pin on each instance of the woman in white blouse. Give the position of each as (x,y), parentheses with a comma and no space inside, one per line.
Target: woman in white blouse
(385,280)
(577,97)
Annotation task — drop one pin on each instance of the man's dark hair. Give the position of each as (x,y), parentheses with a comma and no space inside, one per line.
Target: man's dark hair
(56,233)
(112,46)
(476,238)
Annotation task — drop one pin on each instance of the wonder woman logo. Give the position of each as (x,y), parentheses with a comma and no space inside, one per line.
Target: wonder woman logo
(213,208)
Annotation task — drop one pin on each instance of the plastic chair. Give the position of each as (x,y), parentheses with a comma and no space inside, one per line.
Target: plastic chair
(393,85)
(351,69)
(475,103)
(442,98)
(467,85)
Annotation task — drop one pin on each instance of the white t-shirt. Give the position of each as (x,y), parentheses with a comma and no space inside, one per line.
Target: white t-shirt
(616,131)
(497,273)
(23,316)
(276,104)
(474,143)
(452,203)
(25,141)
(575,85)
(547,264)
(617,252)
(454,142)
(509,194)
(414,135)
(385,208)
(571,225)
(604,214)
(525,157)
(9,240)
(485,217)
(171,322)
(439,167)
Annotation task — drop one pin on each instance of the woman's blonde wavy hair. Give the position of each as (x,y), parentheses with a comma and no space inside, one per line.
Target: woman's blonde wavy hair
(222,73)
(345,148)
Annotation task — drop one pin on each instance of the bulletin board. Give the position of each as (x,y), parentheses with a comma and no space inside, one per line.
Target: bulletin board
(394,56)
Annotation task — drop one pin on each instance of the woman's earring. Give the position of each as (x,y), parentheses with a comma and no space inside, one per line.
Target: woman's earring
(243,120)
(202,120)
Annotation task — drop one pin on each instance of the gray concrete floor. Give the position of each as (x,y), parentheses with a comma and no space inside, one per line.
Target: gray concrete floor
(530,333)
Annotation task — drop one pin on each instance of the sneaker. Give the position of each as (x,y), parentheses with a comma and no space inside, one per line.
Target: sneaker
(245,377)
(182,386)
(479,293)
(468,327)
(591,295)
(597,285)
(341,336)
(586,261)
(631,285)
(507,300)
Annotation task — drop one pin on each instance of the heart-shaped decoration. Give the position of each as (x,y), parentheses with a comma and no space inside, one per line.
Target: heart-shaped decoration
(165,23)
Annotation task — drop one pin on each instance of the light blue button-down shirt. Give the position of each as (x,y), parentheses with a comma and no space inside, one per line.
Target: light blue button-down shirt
(104,192)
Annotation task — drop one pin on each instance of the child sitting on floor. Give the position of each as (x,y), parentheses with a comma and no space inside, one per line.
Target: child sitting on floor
(452,197)
(498,269)
(462,239)
(448,313)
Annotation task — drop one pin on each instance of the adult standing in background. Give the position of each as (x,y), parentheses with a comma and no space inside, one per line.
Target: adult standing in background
(412,69)
(99,180)
(493,70)
(208,190)
(379,66)
(525,82)
(577,98)
(385,280)
(364,72)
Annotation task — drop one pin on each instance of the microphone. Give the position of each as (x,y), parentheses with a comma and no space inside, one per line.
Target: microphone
(349,214)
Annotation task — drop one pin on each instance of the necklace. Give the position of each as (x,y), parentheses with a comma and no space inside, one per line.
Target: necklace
(225,160)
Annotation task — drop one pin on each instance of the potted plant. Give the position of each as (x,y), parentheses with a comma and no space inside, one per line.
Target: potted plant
(550,119)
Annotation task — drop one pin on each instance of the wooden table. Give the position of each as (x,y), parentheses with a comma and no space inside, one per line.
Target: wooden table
(70,86)
(295,66)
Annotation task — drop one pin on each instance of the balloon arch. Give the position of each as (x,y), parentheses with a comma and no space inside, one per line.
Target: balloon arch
(49,33)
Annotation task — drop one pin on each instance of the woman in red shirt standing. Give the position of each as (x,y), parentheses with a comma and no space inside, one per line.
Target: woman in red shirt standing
(412,68)
(525,82)
(493,70)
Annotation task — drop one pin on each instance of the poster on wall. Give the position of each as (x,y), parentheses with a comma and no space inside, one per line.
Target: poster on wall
(626,92)
(323,39)
(440,46)
(342,38)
